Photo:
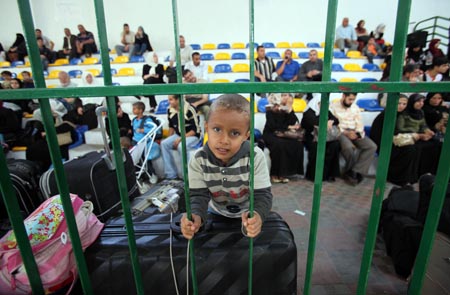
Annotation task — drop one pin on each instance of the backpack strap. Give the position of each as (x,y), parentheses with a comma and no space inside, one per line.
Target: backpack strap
(141,126)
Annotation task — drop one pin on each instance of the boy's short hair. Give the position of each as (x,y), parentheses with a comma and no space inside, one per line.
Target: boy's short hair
(139,105)
(176,96)
(231,102)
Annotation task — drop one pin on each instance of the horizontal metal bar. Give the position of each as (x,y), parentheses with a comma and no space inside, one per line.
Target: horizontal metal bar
(280,87)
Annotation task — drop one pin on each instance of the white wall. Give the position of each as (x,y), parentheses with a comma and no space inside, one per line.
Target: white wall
(213,21)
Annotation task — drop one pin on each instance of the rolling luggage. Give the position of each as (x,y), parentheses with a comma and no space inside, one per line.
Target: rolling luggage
(221,252)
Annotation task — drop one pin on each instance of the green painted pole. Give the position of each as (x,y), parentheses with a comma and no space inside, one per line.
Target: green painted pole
(181,119)
(117,150)
(321,144)
(55,154)
(401,30)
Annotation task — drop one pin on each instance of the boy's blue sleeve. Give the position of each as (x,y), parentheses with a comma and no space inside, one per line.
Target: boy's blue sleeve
(149,125)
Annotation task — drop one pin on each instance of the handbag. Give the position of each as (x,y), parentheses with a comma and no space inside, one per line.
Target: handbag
(66,137)
(332,133)
(403,139)
(298,134)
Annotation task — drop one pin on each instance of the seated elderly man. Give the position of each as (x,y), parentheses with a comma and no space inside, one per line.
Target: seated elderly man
(346,36)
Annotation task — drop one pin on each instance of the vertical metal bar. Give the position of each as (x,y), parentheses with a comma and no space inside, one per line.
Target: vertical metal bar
(432,221)
(55,154)
(251,27)
(401,27)
(12,207)
(115,139)
(183,146)
(321,144)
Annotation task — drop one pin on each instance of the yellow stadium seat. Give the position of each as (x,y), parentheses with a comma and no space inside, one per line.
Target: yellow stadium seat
(126,72)
(354,68)
(20,76)
(165,133)
(354,54)
(383,66)
(241,68)
(113,51)
(19,148)
(283,45)
(90,61)
(322,44)
(60,62)
(320,54)
(294,55)
(348,79)
(209,46)
(28,116)
(221,81)
(52,86)
(120,60)
(222,56)
(298,45)
(5,64)
(238,45)
(27,63)
(94,72)
(210,69)
(53,74)
(299,105)
(255,104)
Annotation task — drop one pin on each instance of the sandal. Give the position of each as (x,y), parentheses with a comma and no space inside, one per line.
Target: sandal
(275,179)
(284,180)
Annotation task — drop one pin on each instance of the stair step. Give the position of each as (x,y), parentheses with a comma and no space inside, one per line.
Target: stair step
(84,149)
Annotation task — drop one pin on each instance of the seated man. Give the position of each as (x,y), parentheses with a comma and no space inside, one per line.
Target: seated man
(173,142)
(197,67)
(346,36)
(85,42)
(127,40)
(46,54)
(312,69)
(69,46)
(264,66)
(287,69)
(185,53)
(64,80)
(352,137)
(47,42)
(199,101)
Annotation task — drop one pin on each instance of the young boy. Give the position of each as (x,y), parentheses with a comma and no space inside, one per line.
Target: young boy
(219,172)
(173,142)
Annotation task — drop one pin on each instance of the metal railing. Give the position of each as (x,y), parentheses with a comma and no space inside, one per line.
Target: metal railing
(393,87)
(435,26)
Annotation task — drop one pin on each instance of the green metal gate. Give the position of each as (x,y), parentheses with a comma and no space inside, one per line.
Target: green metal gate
(393,87)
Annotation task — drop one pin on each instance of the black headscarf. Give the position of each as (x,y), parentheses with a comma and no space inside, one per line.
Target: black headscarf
(20,40)
(414,55)
(433,114)
(415,114)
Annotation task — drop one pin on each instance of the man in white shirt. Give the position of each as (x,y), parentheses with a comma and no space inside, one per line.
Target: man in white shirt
(64,80)
(346,36)
(353,138)
(127,40)
(185,53)
(197,67)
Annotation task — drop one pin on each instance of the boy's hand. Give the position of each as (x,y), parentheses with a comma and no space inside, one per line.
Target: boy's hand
(140,130)
(176,142)
(252,225)
(189,228)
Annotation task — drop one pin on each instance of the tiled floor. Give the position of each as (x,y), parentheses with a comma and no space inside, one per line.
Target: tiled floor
(343,220)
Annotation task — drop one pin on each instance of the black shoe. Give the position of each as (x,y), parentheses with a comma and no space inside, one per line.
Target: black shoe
(350,177)
(359,177)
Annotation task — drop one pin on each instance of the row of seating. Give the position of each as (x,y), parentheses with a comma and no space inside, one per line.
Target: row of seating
(240,45)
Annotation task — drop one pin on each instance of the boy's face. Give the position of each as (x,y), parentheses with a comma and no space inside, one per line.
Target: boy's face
(173,102)
(137,111)
(227,130)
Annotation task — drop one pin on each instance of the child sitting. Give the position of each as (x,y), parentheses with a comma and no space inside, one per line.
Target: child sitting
(219,172)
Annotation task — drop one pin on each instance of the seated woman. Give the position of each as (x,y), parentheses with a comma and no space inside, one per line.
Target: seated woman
(141,43)
(362,34)
(153,73)
(310,122)
(286,154)
(436,113)
(403,164)
(412,120)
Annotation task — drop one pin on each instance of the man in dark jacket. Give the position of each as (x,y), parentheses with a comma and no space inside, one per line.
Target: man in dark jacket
(69,46)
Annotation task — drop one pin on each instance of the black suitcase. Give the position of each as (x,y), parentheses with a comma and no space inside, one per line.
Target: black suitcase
(221,253)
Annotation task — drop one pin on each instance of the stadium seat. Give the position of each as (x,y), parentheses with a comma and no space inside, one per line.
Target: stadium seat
(210,69)
(223,46)
(268,45)
(5,64)
(45,73)
(13,75)
(369,104)
(209,46)
(27,63)
(371,67)
(369,80)
(299,105)
(348,79)
(222,68)
(125,72)
(239,55)
(313,45)
(222,56)
(337,68)
(163,106)
(76,61)
(94,72)
(137,58)
(383,66)
(60,62)
(254,45)
(123,59)
(53,74)
(273,54)
(238,45)
(298,45)
(115,84)
(303,54)
(17,63)
(283,45)
(333,80)
(339,54)
(242,80)
(241,68)
(75,74)
(320,54)
(221,81)
(354,68)
(90,61)
(354,54)
(262,103)
(322,44)
(52,86)
(195,46)
(206,56)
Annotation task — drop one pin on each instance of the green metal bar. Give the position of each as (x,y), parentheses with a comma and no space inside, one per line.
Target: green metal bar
(117,154)
(321,144)
(12,207)
(251,29)
(432,221)
(181,119)
(401,30)
(55,154)
(428,19)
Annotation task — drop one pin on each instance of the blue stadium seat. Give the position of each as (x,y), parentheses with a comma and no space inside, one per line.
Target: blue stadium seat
(76,61)
(115,84)
(45,73)
(17,63)
(262,104)
(303,54)
(254,45)
(196,46)
(206,56)
(163,106)
(257,134)
(113,72)
(80,130)
(13,75)
(369,80)
(273,54)
(367,130)
(75,73)
(268,45)
(337,68)
(333,80)
(137,58)
(222,68)
(223,46)
(371,67)
(339,54)
(238,55)
(369,104)
(242,80)
(167,58)
(313,45)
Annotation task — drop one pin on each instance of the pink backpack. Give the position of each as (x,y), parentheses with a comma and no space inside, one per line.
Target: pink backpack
(49,238)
